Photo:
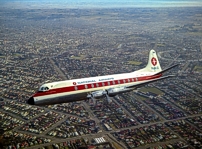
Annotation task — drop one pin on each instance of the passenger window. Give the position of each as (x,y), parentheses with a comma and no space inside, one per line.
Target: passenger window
(118,81)
(86,86)
(103,84)
(97,84)
(108,83)
(75,88)
(92,85)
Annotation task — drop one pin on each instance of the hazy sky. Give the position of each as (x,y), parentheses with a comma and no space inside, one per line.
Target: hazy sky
(98,3)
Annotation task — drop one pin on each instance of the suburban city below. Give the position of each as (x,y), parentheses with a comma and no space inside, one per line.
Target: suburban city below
(47,42)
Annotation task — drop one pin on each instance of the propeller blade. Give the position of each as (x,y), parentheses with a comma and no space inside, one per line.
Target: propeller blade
(108,99)
(93,100)
(104,92)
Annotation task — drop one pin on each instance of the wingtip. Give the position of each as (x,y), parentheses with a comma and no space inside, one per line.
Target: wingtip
(172,75)
(168,76)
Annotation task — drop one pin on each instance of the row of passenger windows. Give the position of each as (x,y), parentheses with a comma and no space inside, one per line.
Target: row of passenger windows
(101,84)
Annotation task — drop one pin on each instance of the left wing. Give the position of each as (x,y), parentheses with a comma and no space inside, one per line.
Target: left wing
(149,81)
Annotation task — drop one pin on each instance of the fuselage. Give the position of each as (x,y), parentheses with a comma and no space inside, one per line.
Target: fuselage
(78,89)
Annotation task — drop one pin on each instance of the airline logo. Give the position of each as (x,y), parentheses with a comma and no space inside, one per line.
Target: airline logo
(153,61)
(93,81)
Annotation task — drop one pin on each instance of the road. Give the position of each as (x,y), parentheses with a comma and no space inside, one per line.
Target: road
(64,77)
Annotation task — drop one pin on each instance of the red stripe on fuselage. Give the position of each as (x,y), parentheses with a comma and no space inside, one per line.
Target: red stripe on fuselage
(95,85)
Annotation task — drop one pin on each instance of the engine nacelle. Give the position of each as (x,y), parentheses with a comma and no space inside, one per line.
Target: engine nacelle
(117,90)
(107,93)
(97,94)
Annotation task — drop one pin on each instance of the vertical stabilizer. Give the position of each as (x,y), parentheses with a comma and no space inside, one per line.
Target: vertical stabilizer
(153,64)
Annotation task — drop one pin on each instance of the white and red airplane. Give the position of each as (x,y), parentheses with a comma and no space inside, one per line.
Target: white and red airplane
(100,86)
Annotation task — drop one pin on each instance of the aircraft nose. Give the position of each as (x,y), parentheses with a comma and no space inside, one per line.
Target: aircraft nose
(31,101)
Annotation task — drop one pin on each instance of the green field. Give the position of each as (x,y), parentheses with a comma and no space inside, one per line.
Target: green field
(134,62)
(198,68)
(152,90)
(81,57)
(141,97)
(195,33)
(160,45)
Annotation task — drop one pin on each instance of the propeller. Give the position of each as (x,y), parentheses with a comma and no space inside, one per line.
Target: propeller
(91,99)
(107,96)
(92,96)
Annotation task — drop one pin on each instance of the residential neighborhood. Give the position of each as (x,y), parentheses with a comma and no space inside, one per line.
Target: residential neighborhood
(45,45)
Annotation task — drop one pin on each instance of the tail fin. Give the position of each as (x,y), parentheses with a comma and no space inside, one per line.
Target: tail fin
(153,64)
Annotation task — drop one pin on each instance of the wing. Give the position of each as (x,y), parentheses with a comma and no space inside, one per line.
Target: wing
(142,83)
(167,69)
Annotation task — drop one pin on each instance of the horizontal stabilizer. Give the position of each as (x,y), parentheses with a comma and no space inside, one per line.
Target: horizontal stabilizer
(167,69)
(149,81)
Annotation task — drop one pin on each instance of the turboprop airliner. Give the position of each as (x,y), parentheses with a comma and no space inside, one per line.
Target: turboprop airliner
(101,86)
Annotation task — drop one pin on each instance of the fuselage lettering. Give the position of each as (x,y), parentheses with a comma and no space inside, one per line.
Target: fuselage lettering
(88,81)
(106,79)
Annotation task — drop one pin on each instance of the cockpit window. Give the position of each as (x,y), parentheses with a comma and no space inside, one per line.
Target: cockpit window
(43,89)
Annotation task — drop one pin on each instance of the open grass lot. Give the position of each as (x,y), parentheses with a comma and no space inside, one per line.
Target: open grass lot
(141,97)
(152,90)
(198,68)
(81,57)
(134,62)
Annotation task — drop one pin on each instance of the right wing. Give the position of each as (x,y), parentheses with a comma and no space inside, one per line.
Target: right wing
(167,69)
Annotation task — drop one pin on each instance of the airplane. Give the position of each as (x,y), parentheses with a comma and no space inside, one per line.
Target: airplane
(101,86)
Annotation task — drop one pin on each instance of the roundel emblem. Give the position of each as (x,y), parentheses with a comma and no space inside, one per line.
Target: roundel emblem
(74,83)
(153,61)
